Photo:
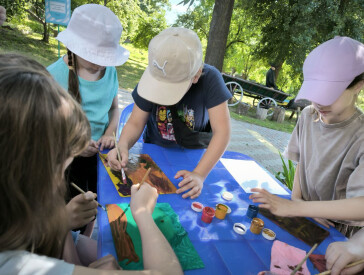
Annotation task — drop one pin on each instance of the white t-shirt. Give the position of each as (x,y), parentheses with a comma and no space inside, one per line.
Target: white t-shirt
(23,263)
(331,157)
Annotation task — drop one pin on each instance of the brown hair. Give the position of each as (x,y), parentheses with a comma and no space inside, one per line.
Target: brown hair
(73,83)
(41,127)
(356,80)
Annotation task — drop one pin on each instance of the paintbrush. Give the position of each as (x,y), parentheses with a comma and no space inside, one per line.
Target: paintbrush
(145,177)
(122,169)
(304,259)
(83,192)
(347,266)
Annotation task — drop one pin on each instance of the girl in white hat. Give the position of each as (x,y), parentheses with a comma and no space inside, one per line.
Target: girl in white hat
(88,73)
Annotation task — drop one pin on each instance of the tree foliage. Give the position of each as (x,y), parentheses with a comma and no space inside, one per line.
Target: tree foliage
(281,32)
(141,19)
(292,28)
(13,7)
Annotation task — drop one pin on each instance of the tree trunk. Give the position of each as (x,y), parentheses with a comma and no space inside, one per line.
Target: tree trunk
(262,113)
(45,32)
(219,31)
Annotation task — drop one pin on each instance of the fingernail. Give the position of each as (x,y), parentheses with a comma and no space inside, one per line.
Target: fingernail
(89,195)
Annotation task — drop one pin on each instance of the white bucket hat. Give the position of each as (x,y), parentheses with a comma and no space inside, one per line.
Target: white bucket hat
(174,58)
(93,33)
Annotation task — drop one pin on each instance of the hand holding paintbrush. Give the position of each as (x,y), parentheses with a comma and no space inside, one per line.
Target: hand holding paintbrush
(347,266)
(83,192)
(122,170)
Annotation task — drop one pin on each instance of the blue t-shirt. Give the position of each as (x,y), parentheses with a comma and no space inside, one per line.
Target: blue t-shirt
(97,96)
(208,92)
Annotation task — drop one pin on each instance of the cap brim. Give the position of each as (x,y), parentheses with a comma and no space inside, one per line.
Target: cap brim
(159,92)
(112,58)
(322,92)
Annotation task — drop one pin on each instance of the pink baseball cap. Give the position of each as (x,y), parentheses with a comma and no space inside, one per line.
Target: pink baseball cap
(330,68)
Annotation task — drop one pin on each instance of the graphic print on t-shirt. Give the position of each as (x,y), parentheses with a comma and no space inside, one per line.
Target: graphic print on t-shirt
(189,117)
(164,121)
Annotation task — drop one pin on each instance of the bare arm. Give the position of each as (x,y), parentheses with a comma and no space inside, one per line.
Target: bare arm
(220,124)
(296,190)
(129,135)
(113,117)
(345,209)
(107,139)
(133,128)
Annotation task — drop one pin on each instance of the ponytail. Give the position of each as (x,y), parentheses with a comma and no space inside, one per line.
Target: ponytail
(73,84)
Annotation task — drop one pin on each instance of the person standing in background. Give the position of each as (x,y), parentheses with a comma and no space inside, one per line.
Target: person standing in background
(270,78)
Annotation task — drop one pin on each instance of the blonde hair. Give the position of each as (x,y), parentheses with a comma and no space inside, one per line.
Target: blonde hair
(41,127)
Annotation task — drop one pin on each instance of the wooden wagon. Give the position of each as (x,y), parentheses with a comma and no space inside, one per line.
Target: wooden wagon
(264,97)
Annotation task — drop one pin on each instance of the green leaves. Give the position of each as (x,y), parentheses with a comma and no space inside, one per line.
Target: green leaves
(287,176)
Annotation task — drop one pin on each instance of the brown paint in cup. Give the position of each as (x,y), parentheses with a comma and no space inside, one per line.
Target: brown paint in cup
(256,226)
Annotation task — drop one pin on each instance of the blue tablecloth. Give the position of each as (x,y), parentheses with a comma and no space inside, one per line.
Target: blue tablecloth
(221,249)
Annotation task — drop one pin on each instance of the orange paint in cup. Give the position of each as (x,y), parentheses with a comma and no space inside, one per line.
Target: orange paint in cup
(221,210)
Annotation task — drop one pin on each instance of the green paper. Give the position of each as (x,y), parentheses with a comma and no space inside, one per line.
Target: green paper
(167,221)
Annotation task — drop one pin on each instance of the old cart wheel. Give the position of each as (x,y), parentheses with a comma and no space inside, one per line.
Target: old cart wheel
(236,91)
(267,103)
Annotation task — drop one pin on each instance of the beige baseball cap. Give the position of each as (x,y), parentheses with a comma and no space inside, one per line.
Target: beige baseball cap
(174,58)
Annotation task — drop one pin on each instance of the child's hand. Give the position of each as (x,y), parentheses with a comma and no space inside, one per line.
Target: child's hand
(191,180)
(339,254)
(81,210)
(106,142)
(143,200)
(273,203)
(113,161)
(91,150)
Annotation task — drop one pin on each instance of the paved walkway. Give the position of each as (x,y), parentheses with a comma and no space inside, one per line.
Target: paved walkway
(260,143)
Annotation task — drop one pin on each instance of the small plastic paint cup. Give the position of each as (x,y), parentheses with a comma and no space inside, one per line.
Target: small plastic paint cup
(252,211)
(196,206)
(221,210)
(208,214)
(256,226)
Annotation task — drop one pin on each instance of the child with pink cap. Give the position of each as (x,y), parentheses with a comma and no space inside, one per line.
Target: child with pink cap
(88,73)
(328,141)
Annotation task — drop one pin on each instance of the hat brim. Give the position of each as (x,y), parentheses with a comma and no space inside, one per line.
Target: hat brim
(159,92)
(322,92)
(115,57)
